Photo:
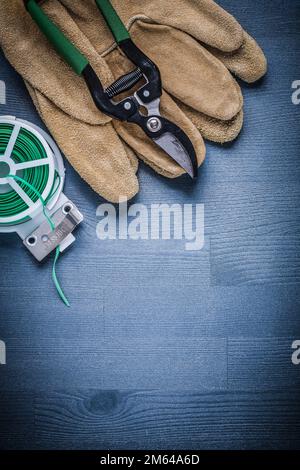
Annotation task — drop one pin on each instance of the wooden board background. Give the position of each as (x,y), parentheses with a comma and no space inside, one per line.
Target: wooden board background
(165,348)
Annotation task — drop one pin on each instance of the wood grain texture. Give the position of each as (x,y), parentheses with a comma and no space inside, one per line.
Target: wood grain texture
(17,421)
(97,419)
(49,363)
(262,364)
(165,348)
(157,420)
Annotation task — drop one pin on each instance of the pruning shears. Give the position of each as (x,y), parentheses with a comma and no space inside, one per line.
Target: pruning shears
(163,132)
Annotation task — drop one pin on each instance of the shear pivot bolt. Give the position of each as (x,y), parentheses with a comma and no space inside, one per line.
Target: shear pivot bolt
(146,94)
(127,105)
(154,124)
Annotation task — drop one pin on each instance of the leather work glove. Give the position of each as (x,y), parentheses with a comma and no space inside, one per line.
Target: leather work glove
(195,43)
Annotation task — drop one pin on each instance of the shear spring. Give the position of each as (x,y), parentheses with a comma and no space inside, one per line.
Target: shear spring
(124,83)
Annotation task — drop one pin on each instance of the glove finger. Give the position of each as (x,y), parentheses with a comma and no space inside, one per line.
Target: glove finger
(204,20)
(189,72)
(149,152)
(248,62)
(96,152)
(219,29)
(214,129)
(134,162)
(32,55)
(213,26)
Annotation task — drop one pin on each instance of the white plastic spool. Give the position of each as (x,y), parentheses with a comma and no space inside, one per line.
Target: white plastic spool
(55,163)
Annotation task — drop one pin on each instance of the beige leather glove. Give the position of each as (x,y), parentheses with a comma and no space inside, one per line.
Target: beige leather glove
(194,43)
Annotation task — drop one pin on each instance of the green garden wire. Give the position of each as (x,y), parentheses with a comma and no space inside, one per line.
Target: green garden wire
(33,182)
(27,147)
(52,226)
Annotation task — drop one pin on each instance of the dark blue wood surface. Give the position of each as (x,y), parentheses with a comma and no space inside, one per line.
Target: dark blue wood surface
(165,348)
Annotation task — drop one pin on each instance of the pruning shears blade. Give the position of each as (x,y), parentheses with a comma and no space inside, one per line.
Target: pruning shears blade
(176,150)
(167,135)
(171,138)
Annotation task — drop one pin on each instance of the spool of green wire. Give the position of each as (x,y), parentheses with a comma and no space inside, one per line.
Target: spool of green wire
(29,179)
(27,148)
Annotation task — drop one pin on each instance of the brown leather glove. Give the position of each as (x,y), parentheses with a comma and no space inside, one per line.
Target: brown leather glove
(195,43)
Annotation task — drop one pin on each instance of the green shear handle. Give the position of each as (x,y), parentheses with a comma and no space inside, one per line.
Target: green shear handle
(113,21)
(60,42)
(63,45)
